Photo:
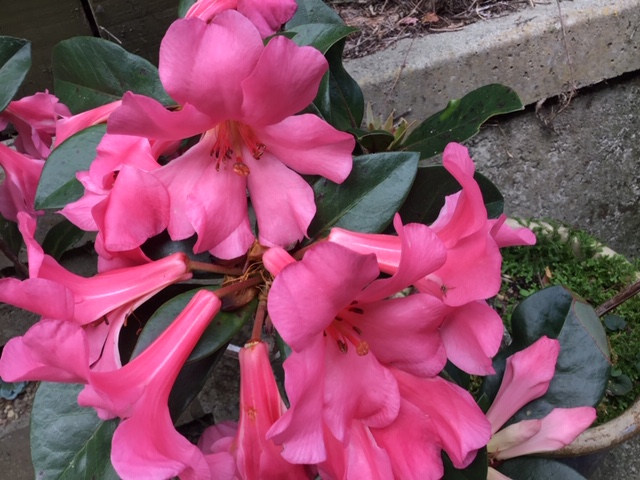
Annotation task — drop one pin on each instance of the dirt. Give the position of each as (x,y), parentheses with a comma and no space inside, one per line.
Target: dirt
(12,410)
(384,22)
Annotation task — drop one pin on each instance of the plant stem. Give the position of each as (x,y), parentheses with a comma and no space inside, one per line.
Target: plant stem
(20,267)
(210,267)
(234,287)
(618,299)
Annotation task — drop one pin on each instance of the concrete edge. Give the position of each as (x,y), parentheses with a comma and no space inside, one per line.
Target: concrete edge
(526,50)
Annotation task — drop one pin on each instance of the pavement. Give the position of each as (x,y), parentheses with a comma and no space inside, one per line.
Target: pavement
(581,168)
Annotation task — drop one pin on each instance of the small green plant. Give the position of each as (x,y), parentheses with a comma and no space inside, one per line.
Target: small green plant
(575,260)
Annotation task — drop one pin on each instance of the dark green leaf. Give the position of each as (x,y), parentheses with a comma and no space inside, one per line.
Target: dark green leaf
(11,390)
(60,238)
(368,199)
(58,184)
(162,246)
(614,322)
(461,119)
(476,471)
(375,141)
(620,385)
(583,366)
(10,235)
(433,184)
(313,11)
(529,468)
(15,61)
(184,6)
(321,36)
(69,442)
(89,72)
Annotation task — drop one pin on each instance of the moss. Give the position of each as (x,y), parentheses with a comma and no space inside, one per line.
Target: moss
(572,258)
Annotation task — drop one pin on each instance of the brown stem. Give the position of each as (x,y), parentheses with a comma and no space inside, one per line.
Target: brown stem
(234,287)
(618,299)
(261,313)
(210,267)
(20,267)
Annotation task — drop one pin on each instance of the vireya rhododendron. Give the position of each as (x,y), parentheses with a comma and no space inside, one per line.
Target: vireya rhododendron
(234,196)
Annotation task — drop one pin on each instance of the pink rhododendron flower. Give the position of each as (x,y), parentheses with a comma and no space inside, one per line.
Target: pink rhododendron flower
(18,189)
(260,406)
(70,125)
(249,136)
(345,334)
(527,376)
(267,15)
(35,120)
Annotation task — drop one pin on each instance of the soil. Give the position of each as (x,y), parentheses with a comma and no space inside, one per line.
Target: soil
(383,22)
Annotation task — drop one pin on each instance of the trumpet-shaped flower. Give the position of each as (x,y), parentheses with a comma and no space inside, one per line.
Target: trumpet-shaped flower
(18,189)
(267,15)
(249,138)
(527,376)
(260,407)
(345,334)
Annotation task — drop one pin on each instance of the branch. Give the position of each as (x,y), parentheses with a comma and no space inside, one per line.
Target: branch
(618,299)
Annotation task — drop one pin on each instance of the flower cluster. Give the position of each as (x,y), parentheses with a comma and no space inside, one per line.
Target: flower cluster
(369,320)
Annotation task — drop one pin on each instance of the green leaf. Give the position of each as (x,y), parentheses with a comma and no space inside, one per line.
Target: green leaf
(205,354)
(476,471)
(321,36)
(69,442)
(367,200)
(10,235)
(58,184)
(529,468)
(427,195)
(620,385)
(461,119)
(313,11)
(11,390)
(89,72)
(184,6)
(15,61)
(583,366)
(60,238)
(374,141)
(161,246)
(614,322)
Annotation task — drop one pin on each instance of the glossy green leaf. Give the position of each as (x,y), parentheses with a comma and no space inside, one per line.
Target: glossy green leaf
(161,246)
(10,235)
(620,385)
(583,366)
(69,442)
(60,238)
(530,468)
(313,11)
(58,184)
(614,322)
(89,72)
(374,141)
(205,354)
(367,200)
(476,471)
(15,61)
(184,6)
(461,119)
(321,36)
(427,195)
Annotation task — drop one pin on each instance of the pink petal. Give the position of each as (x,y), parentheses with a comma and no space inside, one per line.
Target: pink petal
(51,350)
(460,423)
(309,145)
(527,376)
(306,296)
(236,244)
(44,297)
(506,236)
(412,444)
(357,387)
(284,213)
(300,429)
(203,64)
(18,189)
(514,434)
(283,66)
(493,474)
(145,117)
(403,332)
(472,334)
(207,9)
(268,15)
(561,427)
(275,259)
(66,127)
(79,212)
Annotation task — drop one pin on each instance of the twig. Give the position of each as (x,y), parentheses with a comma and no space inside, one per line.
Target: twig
(20,267)
(618,299)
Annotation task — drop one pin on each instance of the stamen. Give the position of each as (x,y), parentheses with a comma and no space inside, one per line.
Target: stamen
(258,151)
(241,169)
(344,348)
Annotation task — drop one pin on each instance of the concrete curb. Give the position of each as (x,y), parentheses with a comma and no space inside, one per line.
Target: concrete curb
(525,50)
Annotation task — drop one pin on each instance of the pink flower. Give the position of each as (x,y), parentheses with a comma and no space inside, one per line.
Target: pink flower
(18,189)
(35,120)
(70,125)
(527,376)
(267,15)
(260,406)
(345,334)
(249,136)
